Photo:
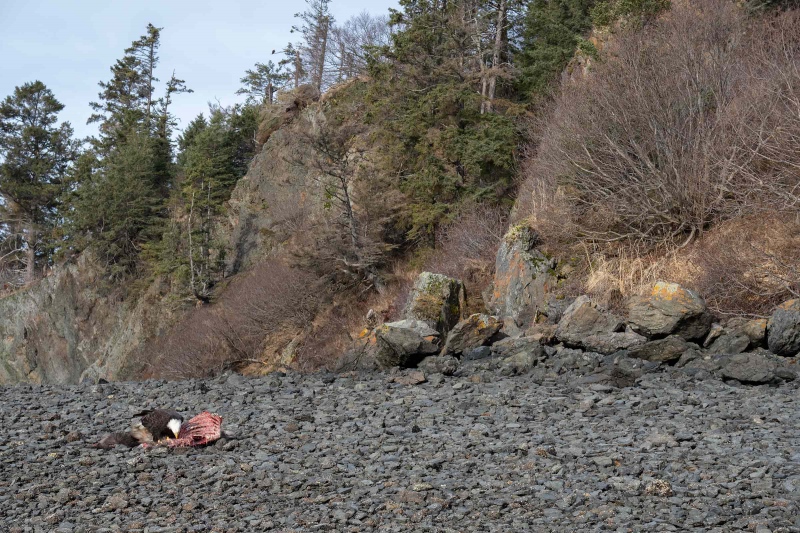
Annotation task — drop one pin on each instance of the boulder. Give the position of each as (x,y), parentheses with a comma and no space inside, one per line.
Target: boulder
(405,343)
(783,329)
(436,300)
(669,309)
(730,344)
(439,364)
(542,333)
(587,326)
(662,350)
(523,277)
(475,354)
(511,346)
(753,329)
(749,368)
(520,363)
(470,333)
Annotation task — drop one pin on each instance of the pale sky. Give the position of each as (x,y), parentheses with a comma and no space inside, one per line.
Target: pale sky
(70,45)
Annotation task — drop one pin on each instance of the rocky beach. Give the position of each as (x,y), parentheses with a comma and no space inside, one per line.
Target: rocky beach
(560,446)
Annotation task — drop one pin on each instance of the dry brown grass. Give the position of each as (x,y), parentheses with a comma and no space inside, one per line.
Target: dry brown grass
(743,267)
(678,158)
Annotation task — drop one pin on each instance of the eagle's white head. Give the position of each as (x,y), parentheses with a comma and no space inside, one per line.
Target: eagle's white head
(174,426)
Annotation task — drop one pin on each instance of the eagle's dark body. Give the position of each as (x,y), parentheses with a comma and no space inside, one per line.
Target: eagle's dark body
(154,425)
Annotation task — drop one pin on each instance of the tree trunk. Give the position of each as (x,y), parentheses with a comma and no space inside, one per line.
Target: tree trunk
(323,46)
(30,254)
(497,50)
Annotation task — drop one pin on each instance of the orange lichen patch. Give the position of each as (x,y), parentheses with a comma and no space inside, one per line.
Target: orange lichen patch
(670,291)
(791,304)
(364,333)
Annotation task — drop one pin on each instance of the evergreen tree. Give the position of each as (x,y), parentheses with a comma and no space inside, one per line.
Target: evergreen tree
(118,208)
(122,189)
(315,28)
(36,154)
(426,105)
(261,84)
(551,33)
(214,155)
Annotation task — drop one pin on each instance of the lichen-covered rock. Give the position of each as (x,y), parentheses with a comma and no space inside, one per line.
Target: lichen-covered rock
(783,329)
(470,333)
(405,343)
(587,326)
(523,277)
(662,350)
(437,300)
(669,309)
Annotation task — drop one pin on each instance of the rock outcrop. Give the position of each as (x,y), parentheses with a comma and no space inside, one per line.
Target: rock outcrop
(405,343)
(472,332)
(585,325)
(523,279)
(69,327)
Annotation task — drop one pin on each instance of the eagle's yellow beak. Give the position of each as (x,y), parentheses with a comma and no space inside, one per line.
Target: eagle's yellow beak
(175,427)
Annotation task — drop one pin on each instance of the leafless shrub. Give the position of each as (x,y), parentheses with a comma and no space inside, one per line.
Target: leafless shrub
(683,125)
(265,302)
(467,247)
(332,335)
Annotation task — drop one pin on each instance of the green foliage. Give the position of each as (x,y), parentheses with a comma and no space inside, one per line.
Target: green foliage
(551,33)
(214,155)
(118,207)
(36,154)
(261,84)
(427,114)
(631,12)
(119,189)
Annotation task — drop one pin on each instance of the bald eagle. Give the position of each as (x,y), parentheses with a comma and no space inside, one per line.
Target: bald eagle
(154,425)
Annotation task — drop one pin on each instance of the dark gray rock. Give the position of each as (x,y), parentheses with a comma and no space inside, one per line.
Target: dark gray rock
(669,309)
(439,364)
(749,368)
(470,333)
(754,329)
(662,350)
(474,354)
(405,343)
(587,326)
(783,329)
(729,344)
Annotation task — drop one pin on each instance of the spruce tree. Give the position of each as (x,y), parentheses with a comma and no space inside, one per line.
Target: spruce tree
(36,154)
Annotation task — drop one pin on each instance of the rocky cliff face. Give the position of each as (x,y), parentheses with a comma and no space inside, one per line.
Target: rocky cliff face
(66,328)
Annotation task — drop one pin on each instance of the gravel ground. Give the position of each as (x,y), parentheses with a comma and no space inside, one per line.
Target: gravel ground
(479,452)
